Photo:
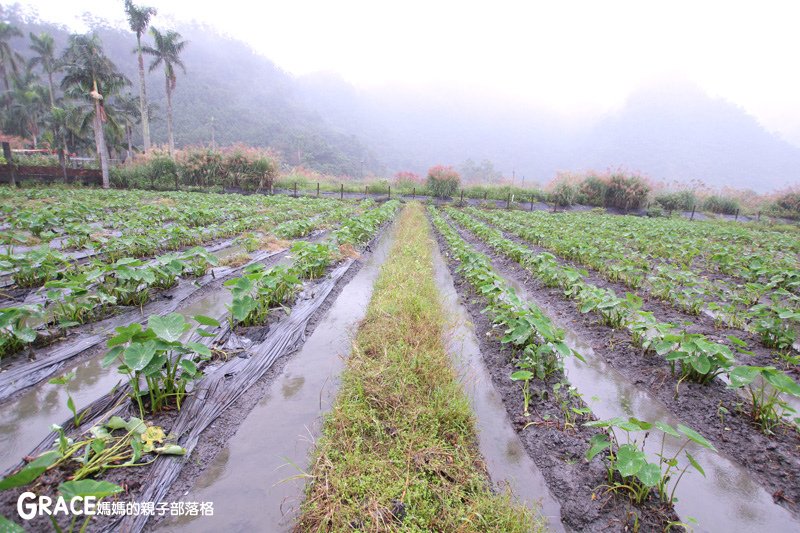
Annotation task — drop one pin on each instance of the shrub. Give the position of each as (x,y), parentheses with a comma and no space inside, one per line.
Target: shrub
(563,195)
(443,181)
(721,205)
(674,201)
(593,191)
(787,205)
(626,192)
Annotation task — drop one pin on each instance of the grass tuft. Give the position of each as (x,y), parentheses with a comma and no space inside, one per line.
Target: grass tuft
(398,450)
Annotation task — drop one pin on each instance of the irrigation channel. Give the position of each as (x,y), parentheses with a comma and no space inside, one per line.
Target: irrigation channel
(726,499)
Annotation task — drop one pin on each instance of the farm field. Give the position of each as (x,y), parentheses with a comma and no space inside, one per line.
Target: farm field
(325,364)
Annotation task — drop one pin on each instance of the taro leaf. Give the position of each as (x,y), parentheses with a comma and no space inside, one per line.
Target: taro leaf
(124,334)
(695,464)
(88,487)
(62,380)
(137,355)
(98,445)
(116,422)
(189,366)
(151,436)
(598,443)
(169,327)
(206,320)
(26,335)
(742,376)
(135,425)
(644,426)
(7,526)
(630,460)
(136,446)
(204,333)
(171,449)
(30,471)
(650,474)
(782,382)
(242,307)
(666,428)
(198,348)
(701,364)
(522,375)
(563,349)
(155,365)
(737,341)
(694,436)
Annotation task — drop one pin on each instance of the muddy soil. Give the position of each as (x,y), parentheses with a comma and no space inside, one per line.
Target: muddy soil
(774,461)
(557,452)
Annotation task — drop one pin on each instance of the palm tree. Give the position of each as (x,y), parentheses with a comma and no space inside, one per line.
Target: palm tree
(28,106)
(167,50)
(90,75)
(126,108)
(138,19)
(8,57)
(44,48)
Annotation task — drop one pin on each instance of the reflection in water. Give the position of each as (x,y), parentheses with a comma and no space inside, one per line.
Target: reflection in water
(291,386)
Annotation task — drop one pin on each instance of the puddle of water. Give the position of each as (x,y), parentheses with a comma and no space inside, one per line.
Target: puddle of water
(508,463)
(256,482)
(25,421)
(727,499)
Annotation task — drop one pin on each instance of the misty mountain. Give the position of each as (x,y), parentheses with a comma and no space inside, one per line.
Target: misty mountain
(668,132)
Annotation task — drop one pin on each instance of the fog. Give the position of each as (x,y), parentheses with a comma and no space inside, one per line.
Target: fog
(678,91)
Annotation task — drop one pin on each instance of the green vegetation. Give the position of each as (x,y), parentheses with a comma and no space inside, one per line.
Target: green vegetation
(399,446)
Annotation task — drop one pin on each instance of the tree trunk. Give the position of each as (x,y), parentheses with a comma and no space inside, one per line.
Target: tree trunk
(128,135)
(170,137)
(4,75)
(143,98)
(50,89)
(100,144)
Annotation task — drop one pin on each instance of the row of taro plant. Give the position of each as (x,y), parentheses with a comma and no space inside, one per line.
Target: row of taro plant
(80,296)
(766,307)
(539,349)
(691,356)
(260,290)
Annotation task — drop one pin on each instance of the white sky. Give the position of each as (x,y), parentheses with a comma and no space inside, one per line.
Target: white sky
(571,56)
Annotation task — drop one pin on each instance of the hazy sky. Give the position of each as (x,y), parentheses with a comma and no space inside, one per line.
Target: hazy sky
(570,56)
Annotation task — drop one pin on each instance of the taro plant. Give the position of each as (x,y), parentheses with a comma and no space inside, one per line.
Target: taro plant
(35,267)
(157,357)
(15,333)
(766,386)
(698,358)
(64,380)
(311,259)
(629,469)
(260,290)
(775,324)
(524,376)
(128,282)
(72,302)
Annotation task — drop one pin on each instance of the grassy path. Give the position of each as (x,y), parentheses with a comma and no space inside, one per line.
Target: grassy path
(398,450)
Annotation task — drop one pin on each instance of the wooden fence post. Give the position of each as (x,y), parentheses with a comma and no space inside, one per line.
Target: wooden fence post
(317,189)
(10,163)
(462,196)
(413,193)
(508,202)
(366,187)
(295,189)
(485,195)
(341,194)
(758,216)
(692,217)
(531,202)
(736,217)
(390,192)
(62,159)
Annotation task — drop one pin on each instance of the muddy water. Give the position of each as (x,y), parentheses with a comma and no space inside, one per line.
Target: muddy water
(256,482)
(727,499)
(509,465)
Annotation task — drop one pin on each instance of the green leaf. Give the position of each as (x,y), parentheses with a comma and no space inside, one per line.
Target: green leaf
(522,375)
(741,376)
(695,464)
(116,422)
(7,526)
(650,474)
(124,334)
(169,328)
(111,356)
(26,335)
(666,428)
(136,425)
(30,471)
(189,366)
(88,487)
(198,348)
(137,355)
(598,443)
(695,437)
(701,364)
(241,307)
(630,460)
(206,320)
